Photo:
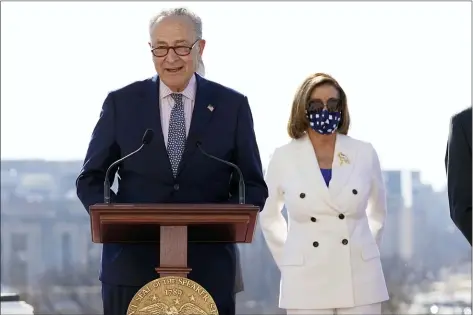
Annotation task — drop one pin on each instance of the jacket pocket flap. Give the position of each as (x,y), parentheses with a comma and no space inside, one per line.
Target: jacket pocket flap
(291,259)
(370,251)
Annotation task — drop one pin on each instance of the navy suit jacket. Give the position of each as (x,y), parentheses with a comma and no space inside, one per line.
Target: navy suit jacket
(226,132)
(458,166)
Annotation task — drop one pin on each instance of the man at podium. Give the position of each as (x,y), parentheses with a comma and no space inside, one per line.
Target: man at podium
(192,118)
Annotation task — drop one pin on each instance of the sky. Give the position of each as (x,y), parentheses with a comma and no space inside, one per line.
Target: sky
(405,67)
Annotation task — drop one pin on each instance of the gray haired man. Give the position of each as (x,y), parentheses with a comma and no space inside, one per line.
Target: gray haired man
(183,108)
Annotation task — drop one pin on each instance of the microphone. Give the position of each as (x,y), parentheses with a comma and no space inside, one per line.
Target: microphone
(147,138)
(241,183)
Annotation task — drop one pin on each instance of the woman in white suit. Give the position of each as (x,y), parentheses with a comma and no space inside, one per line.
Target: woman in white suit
(333,190)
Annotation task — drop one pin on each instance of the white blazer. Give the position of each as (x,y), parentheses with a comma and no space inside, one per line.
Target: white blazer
(328,254)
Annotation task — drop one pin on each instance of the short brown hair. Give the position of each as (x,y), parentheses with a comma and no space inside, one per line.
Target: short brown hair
(298,123)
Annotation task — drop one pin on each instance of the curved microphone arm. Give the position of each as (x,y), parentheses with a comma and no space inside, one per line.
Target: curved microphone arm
(106,183)
(241,182)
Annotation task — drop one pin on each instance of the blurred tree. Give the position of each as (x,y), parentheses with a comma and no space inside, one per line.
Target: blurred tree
(73,291)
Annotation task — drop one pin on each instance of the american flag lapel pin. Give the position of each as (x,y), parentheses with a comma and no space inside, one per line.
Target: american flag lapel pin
(210,107)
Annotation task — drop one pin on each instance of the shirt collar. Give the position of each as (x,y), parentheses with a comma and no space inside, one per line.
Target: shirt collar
(189,91)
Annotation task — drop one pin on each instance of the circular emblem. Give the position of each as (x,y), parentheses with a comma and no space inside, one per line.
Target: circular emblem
(172,296)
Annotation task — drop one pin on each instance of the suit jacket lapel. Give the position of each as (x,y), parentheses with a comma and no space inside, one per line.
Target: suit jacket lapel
(201,115)
(151,102)
(309,168)
(342,168)
(343,165)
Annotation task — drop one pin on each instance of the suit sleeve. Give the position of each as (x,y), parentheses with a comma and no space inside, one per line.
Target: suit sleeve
(102,151)
(458,166)
(272,222)
(248,159)
(377,207)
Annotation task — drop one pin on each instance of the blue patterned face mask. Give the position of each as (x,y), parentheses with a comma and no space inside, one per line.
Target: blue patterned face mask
(324,122)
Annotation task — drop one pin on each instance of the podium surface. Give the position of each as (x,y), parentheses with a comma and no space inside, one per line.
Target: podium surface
(140,223)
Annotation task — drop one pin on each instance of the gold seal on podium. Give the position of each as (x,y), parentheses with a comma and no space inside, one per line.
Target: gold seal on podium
(172,296)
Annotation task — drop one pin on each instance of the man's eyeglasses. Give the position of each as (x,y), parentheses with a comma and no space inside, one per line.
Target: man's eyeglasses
(162,51)
(332,104)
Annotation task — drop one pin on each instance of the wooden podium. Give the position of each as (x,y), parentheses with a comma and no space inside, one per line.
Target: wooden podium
(172,226)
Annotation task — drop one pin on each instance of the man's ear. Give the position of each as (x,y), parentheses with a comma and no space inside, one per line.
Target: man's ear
(201,46)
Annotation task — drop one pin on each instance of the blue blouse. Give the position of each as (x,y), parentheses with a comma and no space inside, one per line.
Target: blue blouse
(327,174)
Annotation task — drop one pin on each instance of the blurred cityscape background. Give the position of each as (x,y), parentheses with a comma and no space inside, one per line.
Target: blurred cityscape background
(427,262)
(405,66)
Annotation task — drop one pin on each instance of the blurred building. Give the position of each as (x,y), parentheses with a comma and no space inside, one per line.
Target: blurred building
(42,227)
(418,224)
(392,241)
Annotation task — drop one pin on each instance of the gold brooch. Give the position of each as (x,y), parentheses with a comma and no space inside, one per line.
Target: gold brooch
(343,158)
